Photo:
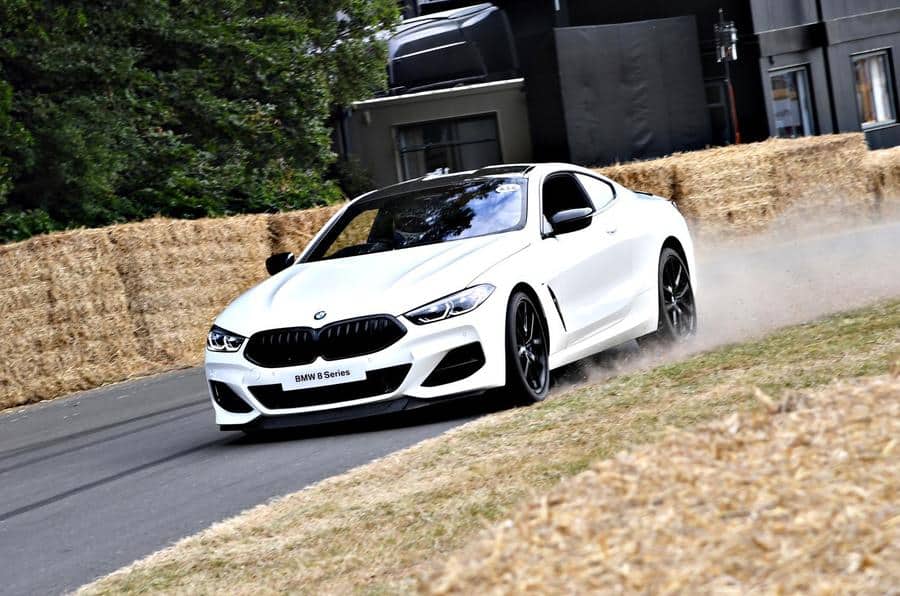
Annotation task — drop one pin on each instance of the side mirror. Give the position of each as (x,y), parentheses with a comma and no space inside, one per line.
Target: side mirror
(279,262)
(571,220)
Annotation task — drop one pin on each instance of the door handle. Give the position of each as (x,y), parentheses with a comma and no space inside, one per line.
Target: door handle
(612,230)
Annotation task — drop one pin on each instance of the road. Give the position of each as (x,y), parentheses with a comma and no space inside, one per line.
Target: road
(96,480)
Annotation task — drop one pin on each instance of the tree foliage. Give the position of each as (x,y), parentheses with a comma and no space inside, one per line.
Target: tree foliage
(114,111)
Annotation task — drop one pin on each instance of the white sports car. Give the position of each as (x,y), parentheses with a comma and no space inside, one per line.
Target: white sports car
(450,286)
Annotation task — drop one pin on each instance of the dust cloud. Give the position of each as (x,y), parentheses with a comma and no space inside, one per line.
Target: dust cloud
(745,291)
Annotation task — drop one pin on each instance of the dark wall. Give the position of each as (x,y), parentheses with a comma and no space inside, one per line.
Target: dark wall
(745,72)
(777,14)
(706,12)
(532,24)
(632,91)
(835,9)
(826,47)
(844,85)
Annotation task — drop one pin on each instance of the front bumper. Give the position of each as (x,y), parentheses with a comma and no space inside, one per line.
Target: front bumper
(421,349)
(343,414)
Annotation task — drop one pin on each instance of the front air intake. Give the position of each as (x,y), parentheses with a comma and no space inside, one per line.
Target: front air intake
(227,399)
(456,365)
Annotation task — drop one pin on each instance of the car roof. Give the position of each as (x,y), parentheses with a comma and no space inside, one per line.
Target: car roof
(430,181)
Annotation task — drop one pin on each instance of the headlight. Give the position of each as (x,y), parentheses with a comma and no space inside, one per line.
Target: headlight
(219,340)
(451,306)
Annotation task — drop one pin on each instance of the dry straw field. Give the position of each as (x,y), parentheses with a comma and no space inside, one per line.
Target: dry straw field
(799,497)
(89,307)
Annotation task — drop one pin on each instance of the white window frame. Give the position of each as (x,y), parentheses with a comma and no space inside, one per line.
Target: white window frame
(889,83)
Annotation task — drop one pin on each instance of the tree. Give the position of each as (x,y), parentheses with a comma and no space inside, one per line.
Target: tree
(112,111)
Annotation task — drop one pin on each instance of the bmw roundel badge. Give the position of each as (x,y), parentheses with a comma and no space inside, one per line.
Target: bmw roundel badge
(319,315)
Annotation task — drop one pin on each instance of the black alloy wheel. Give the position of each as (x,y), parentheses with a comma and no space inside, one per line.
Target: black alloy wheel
(677,310)
(527,360)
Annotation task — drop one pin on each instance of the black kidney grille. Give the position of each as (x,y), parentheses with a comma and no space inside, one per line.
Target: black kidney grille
(282,347)
(294,346)
(357,337)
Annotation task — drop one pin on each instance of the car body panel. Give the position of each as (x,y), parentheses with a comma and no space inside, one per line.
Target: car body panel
(396,282)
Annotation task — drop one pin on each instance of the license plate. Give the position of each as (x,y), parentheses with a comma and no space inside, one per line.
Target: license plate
(325,375)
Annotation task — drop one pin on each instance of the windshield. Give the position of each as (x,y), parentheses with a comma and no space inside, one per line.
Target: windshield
(467,209)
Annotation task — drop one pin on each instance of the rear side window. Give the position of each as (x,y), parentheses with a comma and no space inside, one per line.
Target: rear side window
(601,193)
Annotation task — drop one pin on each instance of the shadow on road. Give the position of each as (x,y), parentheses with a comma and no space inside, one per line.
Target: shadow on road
(460,410)
(463,409)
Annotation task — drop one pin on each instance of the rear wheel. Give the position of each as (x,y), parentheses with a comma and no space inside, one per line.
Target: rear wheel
(527,360)
(677,310)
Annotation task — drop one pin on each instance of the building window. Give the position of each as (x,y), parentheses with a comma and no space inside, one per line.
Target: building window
(874,88)
(448,145)
(792,104)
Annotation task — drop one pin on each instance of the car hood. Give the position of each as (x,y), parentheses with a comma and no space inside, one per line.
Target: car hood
(392,282)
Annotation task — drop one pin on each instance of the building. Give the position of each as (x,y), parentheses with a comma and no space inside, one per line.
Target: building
(598,82)
(830,66)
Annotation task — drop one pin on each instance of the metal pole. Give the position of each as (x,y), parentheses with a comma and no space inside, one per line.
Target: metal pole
(734,116)
(731,100)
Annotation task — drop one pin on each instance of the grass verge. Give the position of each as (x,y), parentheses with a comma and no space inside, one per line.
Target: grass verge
(376,528)
(798,498)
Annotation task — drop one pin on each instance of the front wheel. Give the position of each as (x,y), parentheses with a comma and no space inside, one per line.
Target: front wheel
(677,309)
(527,360)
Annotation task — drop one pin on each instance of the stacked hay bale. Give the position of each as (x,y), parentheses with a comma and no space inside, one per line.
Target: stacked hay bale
(884,169)
(179,274)
(822,180)
(66,323)
(727,187)
(741,189)
(656,176)
(291,231)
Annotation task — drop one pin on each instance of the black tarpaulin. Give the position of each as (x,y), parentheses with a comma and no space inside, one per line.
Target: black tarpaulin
(632,90)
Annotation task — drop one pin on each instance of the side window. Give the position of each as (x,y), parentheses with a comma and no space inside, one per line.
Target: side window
(601,193)
(561,192)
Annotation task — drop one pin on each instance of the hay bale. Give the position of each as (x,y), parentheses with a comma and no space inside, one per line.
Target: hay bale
(656,176)
(883,168)
(179,274)
(290,231)
(801,497)
(65,318)
(823,179)
(741,189)
(726,187)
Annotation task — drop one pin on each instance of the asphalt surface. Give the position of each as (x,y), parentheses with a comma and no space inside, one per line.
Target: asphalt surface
(96,480)
(93,481)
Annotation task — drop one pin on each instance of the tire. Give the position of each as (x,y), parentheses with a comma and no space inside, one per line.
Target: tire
(527,358)
(677,309)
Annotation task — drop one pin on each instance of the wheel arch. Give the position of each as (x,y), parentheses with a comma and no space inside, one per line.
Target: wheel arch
(526,288)
(675,244)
